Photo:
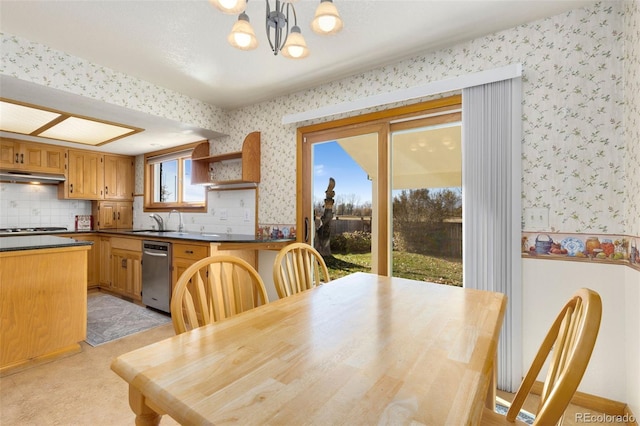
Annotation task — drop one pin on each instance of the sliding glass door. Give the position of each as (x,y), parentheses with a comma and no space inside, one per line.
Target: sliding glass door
(357,153)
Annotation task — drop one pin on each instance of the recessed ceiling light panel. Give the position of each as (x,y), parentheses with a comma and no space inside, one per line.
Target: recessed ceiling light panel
(32,120)
(23,119)
(80,130)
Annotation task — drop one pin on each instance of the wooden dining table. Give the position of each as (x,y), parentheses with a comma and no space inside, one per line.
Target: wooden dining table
(362,349)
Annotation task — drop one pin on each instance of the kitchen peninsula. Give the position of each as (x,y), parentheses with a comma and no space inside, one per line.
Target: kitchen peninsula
(187,248)
(43,298)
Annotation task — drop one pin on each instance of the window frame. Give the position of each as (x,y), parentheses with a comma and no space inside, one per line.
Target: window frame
(149,177)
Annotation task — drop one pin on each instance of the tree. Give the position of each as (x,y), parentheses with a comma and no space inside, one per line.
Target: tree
(418,217)
(420,205)
(164,193)
(323,232)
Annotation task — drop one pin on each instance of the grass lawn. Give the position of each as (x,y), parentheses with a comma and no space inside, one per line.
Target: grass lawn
(405,265)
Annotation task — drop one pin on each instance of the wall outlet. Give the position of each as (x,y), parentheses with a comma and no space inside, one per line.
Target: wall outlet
(536,218)
(247,215)
(224,214)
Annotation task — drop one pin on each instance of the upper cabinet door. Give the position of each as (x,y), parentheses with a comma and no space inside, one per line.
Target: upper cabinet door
(9,154)
(118,177)
(31,156)
(85,176)
(43,158)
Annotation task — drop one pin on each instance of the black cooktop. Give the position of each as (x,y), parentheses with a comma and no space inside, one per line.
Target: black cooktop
(27,229)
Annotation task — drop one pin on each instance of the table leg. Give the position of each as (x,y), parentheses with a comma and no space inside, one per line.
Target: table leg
(145,416)
(490,402)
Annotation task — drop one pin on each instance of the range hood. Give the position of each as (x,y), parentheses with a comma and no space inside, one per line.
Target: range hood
(28,177)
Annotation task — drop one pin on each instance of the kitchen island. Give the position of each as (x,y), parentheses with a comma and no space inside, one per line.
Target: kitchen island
(43,298)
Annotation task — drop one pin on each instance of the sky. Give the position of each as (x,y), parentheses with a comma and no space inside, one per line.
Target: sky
(330,160)
(169,176)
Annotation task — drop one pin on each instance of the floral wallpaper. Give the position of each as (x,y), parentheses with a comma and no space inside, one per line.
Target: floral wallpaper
(573,130)
(580,154)
(632,113)
(40,64)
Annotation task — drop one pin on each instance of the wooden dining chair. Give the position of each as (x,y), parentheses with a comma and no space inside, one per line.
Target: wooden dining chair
(570,342)
(215,288)
(298,267)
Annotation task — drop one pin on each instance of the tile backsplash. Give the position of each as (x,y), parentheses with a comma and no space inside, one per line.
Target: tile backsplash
(38,205)
(228,212)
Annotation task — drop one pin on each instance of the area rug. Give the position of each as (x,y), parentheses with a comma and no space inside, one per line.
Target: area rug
(522,416)
(110,318)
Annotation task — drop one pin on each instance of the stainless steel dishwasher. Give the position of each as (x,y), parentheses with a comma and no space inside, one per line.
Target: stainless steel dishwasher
(156,275)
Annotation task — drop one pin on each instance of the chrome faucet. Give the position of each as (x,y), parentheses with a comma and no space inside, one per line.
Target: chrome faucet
(181,223)
(159,220)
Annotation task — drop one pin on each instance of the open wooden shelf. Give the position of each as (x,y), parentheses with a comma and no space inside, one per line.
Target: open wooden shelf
(203,163)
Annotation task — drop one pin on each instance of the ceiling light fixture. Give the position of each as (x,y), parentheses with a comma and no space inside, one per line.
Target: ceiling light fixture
(281,25)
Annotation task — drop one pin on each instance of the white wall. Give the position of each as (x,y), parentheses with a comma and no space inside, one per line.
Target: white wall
(548,284)
(632,339)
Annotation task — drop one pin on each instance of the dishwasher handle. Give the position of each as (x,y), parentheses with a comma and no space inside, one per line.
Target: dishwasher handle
(149,253)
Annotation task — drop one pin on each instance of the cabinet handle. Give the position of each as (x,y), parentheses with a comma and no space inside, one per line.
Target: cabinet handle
(21,158)
(118,215)
(71,188)
(17,158)
(114,215)
(123,262)
(106,189)
(189,251)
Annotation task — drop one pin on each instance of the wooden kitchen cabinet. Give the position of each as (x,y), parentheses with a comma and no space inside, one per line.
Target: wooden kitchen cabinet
(85,176)
(104,270)
(118,177)
(112,214)
(185,255)
(203,163)
(31,157)
(126,267)
(126,273)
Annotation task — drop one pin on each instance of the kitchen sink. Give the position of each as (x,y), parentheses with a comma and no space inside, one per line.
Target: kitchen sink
(175,234)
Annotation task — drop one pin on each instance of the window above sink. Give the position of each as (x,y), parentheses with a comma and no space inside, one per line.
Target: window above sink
(167,178)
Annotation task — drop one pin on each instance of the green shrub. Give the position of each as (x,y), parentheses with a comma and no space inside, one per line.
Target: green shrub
(351,242)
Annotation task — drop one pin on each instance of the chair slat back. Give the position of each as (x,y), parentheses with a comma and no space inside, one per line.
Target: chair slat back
(570,342)
(298,267)
(213,289)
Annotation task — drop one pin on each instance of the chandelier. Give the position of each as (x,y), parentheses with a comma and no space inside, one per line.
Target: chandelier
(281,25)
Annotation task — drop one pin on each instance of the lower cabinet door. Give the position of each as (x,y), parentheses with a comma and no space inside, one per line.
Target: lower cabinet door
(126,273)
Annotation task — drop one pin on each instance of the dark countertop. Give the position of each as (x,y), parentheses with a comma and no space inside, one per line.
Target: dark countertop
(209,237)
(31,242)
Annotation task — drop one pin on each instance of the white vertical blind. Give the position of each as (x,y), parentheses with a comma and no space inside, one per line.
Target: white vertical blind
(491,175)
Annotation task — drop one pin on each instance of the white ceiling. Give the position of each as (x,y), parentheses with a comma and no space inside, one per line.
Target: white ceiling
(425,157)
(181,44)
